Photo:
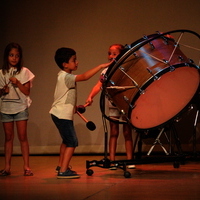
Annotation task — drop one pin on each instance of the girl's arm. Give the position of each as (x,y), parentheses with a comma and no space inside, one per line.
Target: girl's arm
(24,88)
(95,90)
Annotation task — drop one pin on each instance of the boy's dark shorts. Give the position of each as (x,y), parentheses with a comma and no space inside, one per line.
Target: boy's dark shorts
(66,130)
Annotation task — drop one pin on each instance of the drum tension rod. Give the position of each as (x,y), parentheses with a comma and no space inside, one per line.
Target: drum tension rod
(134,82)
(135,54)
(127,101)
(112,82)
(151,44)
(127,46)
(164,37)
(180,58)
(155,77)
(191,61)
(172,68)
(165,40)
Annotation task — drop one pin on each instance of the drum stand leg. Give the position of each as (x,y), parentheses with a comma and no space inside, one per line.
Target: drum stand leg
(105,162)
(196,101)
(173,133)
(195,154)
(157,140)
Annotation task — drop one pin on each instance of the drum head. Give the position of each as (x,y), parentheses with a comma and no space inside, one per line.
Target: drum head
(165,98)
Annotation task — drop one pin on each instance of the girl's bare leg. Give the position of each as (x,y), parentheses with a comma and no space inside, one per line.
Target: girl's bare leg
(22,135)
(8,145)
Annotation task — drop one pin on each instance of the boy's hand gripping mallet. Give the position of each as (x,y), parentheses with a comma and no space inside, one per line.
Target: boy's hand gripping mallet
(81,108)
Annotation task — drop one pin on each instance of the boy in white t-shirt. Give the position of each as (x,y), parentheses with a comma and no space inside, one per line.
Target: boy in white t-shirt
(64,106)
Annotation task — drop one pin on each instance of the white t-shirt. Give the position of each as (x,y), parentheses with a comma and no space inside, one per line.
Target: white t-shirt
(15,101)
(65,96)
(113,111)
(104,71)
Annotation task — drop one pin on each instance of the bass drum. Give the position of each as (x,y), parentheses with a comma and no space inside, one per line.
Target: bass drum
(151,81)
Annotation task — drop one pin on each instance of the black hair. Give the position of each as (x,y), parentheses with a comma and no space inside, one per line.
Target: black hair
(9,47)
(63,55)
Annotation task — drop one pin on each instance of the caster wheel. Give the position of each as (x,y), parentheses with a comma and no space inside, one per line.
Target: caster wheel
(176,164)
(89,172)
(127,174)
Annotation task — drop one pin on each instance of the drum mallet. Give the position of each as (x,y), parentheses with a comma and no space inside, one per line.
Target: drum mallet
(89,124)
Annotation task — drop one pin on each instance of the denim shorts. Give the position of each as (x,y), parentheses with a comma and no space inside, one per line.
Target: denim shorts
(15,117)
(66,130)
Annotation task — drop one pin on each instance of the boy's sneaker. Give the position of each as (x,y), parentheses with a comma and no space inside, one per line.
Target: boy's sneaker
(68,174)
(58,168)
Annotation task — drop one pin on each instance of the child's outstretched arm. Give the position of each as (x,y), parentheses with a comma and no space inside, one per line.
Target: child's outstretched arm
(87,75)
(95,90)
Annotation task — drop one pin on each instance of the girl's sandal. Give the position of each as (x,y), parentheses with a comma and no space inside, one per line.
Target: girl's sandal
(28,172)
(4,173)
(57,169)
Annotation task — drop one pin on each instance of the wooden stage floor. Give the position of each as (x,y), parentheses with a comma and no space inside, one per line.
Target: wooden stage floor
(147,181)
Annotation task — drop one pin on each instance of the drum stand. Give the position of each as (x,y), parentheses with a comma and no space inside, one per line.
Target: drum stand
(173,141)
(105,162)
(195,154)
(157,141)
(122,164)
